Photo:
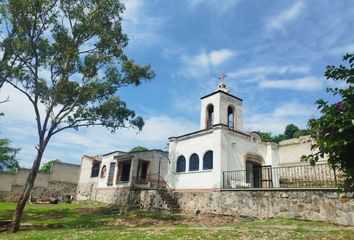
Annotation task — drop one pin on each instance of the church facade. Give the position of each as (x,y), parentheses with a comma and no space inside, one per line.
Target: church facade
(199,160)
(220,155)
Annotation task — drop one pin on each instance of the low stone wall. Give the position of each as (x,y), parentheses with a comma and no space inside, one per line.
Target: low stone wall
(318,205)
(133,199)
(53,190)
(87,191)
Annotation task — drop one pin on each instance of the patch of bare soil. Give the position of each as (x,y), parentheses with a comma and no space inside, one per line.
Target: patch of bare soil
(191,220)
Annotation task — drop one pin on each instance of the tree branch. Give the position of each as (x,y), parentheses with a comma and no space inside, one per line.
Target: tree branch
(21,90)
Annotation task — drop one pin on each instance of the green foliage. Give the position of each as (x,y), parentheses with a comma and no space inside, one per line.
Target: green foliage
(334,129)
(8,161)
(138,149)
(67,57)
(46,167)
(290,130)
(302,132)
(80,45)
(266,136)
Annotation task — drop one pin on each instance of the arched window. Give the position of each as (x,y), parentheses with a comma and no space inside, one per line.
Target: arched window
(230,117)
(103,172)
(194,162)
(208,160)
(210,116)
(181,164)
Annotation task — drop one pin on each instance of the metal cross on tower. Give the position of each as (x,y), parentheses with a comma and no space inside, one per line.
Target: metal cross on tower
(222,76)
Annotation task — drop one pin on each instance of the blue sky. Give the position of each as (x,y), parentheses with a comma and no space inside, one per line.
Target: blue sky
(274,53)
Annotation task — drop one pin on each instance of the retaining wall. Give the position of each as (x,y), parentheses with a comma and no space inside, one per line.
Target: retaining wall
(318,205)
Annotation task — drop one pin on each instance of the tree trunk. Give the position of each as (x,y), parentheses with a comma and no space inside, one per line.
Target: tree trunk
(21,203)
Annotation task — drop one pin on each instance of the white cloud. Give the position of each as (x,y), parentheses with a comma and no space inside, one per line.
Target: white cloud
(220,5)
(220,56)
(292,109)
(201,64)
(19,125)
(276,121)
(286,16)
(156,129)
(266,70)
(305,83)
(18,107)
(140,26)
(70,145)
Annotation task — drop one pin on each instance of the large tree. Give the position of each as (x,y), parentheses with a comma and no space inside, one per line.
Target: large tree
(290,129)
(333,131)
(66,57)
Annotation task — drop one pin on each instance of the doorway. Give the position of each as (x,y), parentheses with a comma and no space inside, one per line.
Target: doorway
(124,171)
(254,174)
(143,170)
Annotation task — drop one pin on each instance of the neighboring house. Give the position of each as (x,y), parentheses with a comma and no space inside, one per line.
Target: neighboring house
(119,170)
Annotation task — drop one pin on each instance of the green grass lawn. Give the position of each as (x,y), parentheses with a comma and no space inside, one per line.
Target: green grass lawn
(89,220)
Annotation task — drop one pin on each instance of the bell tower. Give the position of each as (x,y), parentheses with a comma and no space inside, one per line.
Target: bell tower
(221,108)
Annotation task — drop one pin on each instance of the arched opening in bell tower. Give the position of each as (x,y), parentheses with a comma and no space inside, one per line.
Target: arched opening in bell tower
(231,117)
(210,116)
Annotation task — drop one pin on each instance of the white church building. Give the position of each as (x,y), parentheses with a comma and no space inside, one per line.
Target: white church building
(199,160)
(220,155)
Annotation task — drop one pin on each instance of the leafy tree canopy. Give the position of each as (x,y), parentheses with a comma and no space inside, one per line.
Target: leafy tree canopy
(46,167)
(291,131)
(334,129)
(138,149)
(8,161)
(67,58)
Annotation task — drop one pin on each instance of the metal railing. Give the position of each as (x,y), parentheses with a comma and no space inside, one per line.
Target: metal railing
(301,176)
(152,181)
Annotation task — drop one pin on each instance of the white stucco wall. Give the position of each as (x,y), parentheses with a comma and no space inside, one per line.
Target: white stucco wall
(85,171)
(235,146)
(106,161)
(221,102)
(199,144)
(291,150)
(215,101)
(225,102)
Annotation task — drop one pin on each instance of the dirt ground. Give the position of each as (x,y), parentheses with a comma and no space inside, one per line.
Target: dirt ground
(191,220)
